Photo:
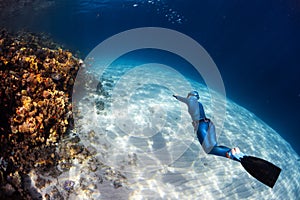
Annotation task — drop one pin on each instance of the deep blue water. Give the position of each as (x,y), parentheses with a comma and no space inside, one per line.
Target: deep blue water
(255,44)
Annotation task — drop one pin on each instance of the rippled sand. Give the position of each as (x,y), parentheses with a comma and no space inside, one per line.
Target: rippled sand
(146,134)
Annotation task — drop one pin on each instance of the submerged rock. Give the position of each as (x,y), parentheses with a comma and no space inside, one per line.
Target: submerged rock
(36,80)
(39,158)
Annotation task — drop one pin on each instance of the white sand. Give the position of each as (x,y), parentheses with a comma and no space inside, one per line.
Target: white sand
(147,135)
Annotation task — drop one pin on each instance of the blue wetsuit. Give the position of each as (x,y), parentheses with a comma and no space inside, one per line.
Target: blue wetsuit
(204,127)
(202,134)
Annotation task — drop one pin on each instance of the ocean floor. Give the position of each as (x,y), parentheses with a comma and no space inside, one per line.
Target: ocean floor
(142,132)
(130,138)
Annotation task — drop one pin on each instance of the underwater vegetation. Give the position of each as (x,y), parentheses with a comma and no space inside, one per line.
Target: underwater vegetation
(35,104)
(39,144)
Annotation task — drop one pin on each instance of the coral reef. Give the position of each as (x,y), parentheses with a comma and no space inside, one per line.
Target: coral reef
(78,173)
(36,79)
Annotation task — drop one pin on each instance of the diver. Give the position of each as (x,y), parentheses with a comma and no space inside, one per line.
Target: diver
(205,129)
(260,169)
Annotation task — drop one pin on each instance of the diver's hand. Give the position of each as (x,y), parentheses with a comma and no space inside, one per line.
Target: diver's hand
(175,96)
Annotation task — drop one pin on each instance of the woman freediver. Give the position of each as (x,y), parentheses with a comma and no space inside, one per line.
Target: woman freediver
(260,169)
(205,128)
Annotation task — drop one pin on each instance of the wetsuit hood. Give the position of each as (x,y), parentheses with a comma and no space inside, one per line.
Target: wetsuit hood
(194,93)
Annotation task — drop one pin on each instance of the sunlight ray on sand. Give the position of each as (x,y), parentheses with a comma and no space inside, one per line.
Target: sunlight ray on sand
(166,161)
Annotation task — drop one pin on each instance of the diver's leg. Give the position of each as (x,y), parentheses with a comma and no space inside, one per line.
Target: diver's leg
(202,131)
(209,143)
(223,151)
(220,151)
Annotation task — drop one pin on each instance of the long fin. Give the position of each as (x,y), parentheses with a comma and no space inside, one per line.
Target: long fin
(262,170)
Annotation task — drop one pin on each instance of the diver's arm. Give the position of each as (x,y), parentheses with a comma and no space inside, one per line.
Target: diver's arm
(182,99)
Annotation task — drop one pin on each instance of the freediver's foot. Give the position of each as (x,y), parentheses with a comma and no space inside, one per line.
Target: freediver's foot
(235,154)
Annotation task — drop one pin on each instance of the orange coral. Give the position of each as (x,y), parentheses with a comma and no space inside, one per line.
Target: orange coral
(35,86)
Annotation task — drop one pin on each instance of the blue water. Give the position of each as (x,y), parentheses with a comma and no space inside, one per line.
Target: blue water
(145,56)
(255,45)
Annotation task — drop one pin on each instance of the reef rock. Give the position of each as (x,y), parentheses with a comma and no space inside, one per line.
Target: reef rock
(36,82)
